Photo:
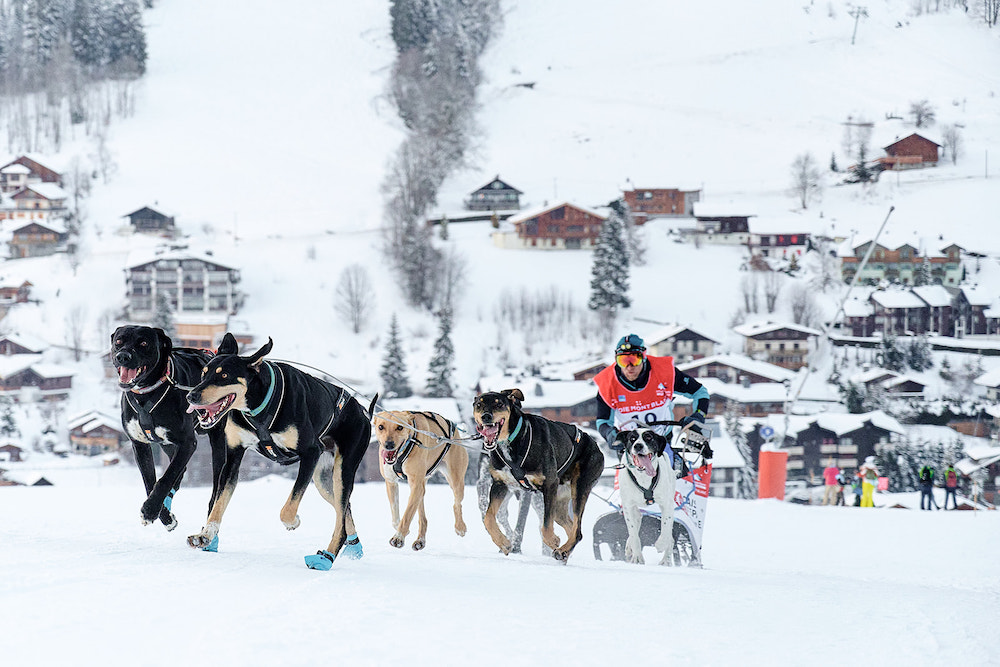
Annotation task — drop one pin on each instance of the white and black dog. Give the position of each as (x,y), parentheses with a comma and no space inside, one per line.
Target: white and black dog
(647,477)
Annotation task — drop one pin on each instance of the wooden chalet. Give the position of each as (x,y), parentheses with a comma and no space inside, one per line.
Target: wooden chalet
(37,239)
(785,345)
(25,170)
(892,383)
(902,263)
(928,309)
(11,293)
(646,203)
(846,438)
(11,344)
(146,219)
(94,433)
(721,224)
(680,342)
(25,376)
(912,152)
(11,452)
(737,369)
(496,195)
(559,227)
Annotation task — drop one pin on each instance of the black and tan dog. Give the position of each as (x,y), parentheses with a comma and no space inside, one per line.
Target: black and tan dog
(411,447)
(154,377)
(535,453)
(288,416)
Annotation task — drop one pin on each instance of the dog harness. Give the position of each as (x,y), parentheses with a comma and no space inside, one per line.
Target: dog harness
(517,470)
(404,451)
(266,446)
(646,493)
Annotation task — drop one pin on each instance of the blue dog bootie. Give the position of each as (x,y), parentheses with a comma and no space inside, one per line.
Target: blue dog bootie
(169,499)
(213,546)
(352,548)
(321,560)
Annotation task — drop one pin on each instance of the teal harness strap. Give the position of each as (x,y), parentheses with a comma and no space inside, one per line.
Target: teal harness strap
(267,397)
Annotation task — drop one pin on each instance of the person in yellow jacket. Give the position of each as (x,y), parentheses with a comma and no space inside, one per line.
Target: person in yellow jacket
(869,479)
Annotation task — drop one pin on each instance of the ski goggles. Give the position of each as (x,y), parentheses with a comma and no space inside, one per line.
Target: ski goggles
(629,359)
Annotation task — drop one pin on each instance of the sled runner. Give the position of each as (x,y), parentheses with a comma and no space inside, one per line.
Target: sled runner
(690,503)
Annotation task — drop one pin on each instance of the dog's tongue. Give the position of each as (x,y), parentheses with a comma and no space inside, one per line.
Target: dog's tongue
(489,432)
(646,463)
(127,375)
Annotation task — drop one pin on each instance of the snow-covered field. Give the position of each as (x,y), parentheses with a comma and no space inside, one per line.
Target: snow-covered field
(783,584)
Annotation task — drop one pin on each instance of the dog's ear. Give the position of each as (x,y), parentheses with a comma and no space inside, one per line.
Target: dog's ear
(163,341)
(258,357)
(228,345)
(514,395)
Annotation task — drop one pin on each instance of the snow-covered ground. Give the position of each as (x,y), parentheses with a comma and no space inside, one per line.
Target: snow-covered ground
(783,584)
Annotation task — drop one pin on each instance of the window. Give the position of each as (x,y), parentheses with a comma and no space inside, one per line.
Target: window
(558,214)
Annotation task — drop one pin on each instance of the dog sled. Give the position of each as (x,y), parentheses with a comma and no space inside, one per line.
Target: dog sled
(690,503)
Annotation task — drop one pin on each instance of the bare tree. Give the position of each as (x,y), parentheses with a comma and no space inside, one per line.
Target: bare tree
(805,311)
(952,138)
(450,279)
(773,282)
(353,298)
(805,179)
(922,113)
(75,320)
(748,288)
(828,274)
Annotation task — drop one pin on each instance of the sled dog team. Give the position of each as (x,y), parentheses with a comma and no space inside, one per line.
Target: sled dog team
(290,416)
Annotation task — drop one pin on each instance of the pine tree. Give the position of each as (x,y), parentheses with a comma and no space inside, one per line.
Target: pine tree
(440,368)
(918,354)
(8,424)
(890,355)
(163,315)
(923,276)
(394,366)
(610,271)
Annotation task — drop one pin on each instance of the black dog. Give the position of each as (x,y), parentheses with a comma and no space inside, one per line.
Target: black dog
(535,453)
(287,415)
(155,378)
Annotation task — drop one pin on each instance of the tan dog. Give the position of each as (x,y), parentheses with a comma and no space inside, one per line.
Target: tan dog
(408,452)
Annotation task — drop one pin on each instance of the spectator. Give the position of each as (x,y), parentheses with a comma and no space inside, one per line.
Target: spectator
(856,488)
(950,486)
(830,473)
(926,477)
(869,479)
(841,483)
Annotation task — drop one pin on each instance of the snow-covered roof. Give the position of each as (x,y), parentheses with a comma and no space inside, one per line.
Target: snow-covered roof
(858,308)
(873,374)
(531,213)
(722,210)
(838,423)
(934,295)
(12,364)
(669,331)
(979,295)
(740,362)
(897,298)
(16,168)
(757,328)
(49,191)
(989,378)
(146,256)
(764,392)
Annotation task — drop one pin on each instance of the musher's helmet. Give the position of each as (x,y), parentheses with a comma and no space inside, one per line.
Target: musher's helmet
(630,343)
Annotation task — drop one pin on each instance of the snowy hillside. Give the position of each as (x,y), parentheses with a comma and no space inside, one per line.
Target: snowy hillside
(268,140)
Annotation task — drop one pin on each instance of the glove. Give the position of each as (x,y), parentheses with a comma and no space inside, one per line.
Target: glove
(696,416)
(707,452)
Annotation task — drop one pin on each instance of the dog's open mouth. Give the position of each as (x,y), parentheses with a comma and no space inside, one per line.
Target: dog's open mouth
(388,456)
(209,415)
(644,463)
(128,376)
(490,432)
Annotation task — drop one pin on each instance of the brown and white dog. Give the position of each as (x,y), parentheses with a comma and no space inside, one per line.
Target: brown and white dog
(409,450)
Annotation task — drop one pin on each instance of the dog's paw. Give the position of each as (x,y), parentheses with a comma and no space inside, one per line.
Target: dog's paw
(505,548)
(294,524)
(668,559)
(418,545)
(150,512)
(560,555)
(397,541)
(205,537)
(170,521)
(460,529)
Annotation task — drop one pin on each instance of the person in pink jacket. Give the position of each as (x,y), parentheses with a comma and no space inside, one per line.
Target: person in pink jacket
(830,483)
